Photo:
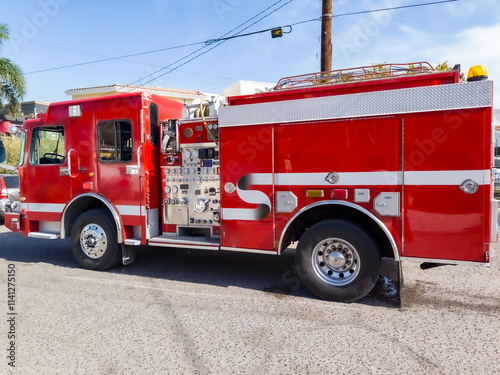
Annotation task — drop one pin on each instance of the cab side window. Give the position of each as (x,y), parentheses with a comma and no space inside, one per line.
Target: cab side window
(48,146)
(115,141)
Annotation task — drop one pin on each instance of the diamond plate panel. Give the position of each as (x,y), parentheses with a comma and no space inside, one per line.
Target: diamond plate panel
(411,100)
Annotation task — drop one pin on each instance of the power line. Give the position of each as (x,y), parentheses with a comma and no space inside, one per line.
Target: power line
(205,43)
(394,8)
(225,39)
(374,10)
(212,41)
(210,49)
(219,40)
(116,58)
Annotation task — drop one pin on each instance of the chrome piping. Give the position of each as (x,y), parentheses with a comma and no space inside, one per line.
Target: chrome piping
(243,250)
(115,214)
(350,205)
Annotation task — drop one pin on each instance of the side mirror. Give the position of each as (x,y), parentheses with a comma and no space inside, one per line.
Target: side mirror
(3,156)
(13,130)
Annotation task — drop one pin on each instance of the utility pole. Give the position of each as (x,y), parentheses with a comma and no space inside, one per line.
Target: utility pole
(326,36)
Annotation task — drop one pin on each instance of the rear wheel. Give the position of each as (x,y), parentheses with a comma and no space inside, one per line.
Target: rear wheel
(94,242)
(337,261)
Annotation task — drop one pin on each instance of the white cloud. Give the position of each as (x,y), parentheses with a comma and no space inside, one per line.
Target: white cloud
(474,46)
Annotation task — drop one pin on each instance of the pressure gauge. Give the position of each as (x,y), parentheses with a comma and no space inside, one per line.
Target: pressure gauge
(195,154)
(167,189)
(187,154)
(200,205)
(175,189)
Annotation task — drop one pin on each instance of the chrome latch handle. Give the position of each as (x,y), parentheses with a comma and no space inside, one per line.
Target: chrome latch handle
(469,186)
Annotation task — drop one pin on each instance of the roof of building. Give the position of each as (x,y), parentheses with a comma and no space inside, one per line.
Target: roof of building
(128,88)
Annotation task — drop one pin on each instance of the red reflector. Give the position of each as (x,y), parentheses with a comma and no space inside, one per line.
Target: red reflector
(339,193)
(88,185)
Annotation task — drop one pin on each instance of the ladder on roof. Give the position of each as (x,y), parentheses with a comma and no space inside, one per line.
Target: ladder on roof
(354,74)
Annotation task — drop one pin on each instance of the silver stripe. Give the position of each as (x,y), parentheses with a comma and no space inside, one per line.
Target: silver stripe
(443,178)
(346,178)
(129,210)
(239,214)
(378,103)
(256,251)
(436,178)
(46,207)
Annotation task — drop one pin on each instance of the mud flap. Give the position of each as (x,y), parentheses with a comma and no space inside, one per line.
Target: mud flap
(400,284)
(128,254)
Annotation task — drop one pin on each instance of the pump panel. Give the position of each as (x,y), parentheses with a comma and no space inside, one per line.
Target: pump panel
(192,191)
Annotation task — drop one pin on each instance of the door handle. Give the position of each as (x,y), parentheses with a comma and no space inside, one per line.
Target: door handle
(469,186)
(71,175)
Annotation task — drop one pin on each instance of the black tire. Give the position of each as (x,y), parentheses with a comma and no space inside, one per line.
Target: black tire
(94,242)
(337,261)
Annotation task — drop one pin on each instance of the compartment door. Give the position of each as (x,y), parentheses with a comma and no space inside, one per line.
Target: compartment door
(446,185)
(247,193)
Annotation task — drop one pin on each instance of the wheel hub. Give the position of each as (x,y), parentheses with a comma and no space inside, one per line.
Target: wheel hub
(93,241)
(335,261)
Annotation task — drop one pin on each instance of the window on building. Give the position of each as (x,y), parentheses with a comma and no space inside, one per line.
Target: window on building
(115,141)
(48,146)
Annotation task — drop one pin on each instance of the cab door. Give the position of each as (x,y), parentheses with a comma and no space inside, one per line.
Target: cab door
(118,171)
(48,175)
(81,152)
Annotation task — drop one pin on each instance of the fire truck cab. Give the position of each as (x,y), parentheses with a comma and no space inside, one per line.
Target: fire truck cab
(355,165)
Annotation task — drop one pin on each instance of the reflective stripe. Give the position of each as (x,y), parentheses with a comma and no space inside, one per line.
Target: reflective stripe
(355,179)
(240,214)
(443,178)
(129,210)
(346,178)
(46,207)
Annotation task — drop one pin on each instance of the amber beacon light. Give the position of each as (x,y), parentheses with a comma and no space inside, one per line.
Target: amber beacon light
(477,73)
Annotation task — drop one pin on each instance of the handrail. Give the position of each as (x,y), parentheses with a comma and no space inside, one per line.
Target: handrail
(354,74)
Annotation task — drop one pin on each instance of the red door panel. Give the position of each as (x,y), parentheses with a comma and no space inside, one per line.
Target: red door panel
(441,151)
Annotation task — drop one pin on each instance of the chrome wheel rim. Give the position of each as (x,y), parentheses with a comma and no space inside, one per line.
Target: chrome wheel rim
(335,261)
(93,241)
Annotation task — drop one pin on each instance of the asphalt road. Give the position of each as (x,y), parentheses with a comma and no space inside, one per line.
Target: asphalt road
(192,312)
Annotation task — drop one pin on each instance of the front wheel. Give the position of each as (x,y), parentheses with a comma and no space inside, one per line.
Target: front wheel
(337,261)
(94,242)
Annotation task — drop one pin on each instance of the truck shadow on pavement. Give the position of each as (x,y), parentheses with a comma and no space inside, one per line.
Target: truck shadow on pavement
(273,275)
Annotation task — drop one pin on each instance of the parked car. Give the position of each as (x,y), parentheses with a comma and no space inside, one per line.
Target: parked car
(9,192)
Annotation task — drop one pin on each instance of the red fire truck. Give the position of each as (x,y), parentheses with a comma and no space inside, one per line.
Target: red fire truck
(352,165)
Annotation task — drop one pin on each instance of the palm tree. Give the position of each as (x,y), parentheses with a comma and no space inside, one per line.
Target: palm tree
(12,83)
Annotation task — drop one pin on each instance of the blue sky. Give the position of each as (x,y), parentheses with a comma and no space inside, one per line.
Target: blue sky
(52,33)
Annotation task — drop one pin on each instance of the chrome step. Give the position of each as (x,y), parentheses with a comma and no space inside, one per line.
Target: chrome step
(189,242)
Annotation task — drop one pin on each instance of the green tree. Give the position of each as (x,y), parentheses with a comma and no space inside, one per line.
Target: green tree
(12,83)
(443,67)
